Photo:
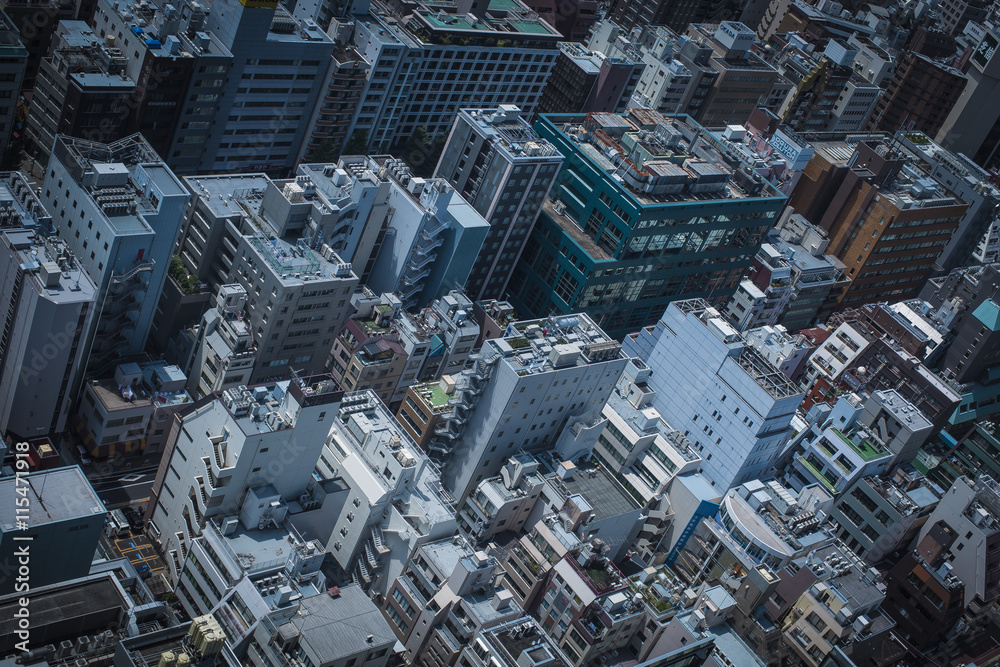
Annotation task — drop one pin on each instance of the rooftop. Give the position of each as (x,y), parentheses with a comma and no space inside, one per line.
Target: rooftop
(861,445)
(647,420)
(336,627)
(511,132)
(510,640)
(434,395)
(62,494)
(537,346)
(605,494)
(49,265)
(659,159)
(503,19)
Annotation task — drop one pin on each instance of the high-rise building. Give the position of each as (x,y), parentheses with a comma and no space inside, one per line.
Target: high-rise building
(630,14)
(48,302)
(505,171)
(251,72)
(81,90)
(972,127)
(119,209)
(920,95)
(738,67)
(443,57)
(583,81)
(522,393)
(727,399)
(647,209)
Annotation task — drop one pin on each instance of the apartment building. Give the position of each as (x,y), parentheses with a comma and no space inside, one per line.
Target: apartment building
(129,414)
(583,81)
(377,498)
(877,515)
(505,170)
(81,90)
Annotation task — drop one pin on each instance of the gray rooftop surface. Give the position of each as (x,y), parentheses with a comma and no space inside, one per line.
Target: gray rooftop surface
(56,495)
(606,495)
(339,627)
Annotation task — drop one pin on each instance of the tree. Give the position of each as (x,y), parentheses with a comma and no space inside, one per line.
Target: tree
(325,152)
(421,153)
(357,144)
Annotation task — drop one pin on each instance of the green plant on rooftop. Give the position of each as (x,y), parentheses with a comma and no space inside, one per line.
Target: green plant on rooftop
(187,281)
(917,138)
(518,343)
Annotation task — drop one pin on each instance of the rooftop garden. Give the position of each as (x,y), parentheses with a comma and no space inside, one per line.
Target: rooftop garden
(187,281)
(864,449)
(916,138)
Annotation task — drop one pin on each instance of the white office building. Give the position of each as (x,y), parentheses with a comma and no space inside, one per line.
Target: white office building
(731,403)
(246,438)
(522,392)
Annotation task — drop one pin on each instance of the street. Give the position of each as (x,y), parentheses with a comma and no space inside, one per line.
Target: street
(123,488)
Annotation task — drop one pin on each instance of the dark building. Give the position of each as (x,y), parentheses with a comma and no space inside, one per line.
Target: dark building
(572,18)
(81,90)
(922,595)
(919,96)
(887,220)
(583,81)
(333,114)
(676,14)
(36,24)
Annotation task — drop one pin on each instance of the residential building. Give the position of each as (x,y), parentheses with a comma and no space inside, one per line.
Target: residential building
(12,71)
(662,219)
(876,516)
(129,414)
(757,524)
(377,498)
(841,611)
(219,353)
(81,83)
(820,80)
(424,408)
(546,375)
(270,436)
(334,110)
(327,630)
(836,449)
(437,237)
(964,298)
(585,81)
(676,16)
(443,598)
(119,210)
(970,509)
(922,595)
(166,74)
(720,391)
(493,317)
(975,453)
(503,503)
(956,13)
(511,644)
(888,192)
(574,22)
(874,63)
(416,52)
(49,302)
(708,620)
(235,568)
(920,95)
(385,349)
(854,105)
(836,354)
(505,171)
(599,616)
(786,352)
(61,530)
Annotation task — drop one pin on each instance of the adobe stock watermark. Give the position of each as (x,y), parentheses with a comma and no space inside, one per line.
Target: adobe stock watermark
(56,344)
(22,550)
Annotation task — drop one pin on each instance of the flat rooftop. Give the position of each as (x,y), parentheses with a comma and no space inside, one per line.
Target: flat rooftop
(62,494)
(334,627)
(534,346)
(605,494)
(512,639)
(62,610)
